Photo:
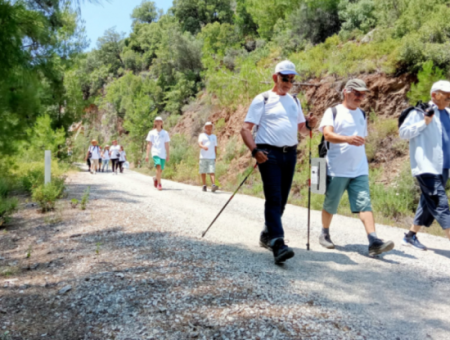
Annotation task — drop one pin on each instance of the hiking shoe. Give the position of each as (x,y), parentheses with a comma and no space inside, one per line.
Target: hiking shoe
(325,241)
(204,188)
(413,242)
(214,188)
(159,187)
(264,240)
(379,246)
(281,252)
(155,182)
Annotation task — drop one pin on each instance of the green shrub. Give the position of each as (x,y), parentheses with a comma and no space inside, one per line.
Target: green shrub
(7,207)
(85,198)
(426,77)
(47,194)
(31,175)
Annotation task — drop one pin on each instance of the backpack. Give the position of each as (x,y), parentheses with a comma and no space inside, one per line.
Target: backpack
(266,98)
(324,146)
(426,108)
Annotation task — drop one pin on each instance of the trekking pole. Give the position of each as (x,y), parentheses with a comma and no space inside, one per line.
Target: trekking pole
(309,189)
(234,193)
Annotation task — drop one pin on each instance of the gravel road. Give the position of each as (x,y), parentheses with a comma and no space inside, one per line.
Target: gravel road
(134,266)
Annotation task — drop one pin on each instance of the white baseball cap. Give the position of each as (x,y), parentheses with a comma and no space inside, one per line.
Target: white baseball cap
(208,124)
(158,118)
(441,85)
(286,67)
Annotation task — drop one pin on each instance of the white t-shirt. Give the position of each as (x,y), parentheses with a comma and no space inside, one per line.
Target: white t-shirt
(277,119)
(106,155)
(345,160)
(122,156)
(114,151)
(158,140)
(209,141)
(95,152)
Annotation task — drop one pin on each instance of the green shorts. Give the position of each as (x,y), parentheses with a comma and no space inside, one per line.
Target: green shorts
(159,161)
(358,194)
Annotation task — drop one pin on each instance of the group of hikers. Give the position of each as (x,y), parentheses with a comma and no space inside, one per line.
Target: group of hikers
(277,117)
(98,158)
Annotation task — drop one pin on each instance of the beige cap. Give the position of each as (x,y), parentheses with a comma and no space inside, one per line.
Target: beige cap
(208,124)
(158,118)
(357,85)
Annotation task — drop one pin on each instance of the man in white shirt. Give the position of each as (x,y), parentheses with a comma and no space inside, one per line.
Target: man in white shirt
(347,166)
(429,151)
(94,155)
(278,117)
(208,145)
(114,153)
(158,141)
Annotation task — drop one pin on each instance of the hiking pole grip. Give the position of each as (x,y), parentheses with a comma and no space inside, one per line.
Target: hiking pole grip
(229,200)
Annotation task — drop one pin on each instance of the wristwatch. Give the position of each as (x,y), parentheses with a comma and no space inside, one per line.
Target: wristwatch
(254,152)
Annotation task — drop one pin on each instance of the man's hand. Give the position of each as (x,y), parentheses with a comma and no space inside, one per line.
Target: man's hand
(355,140)
(261,157)
(167,159)
(312,120)
(205,148)
(428,119)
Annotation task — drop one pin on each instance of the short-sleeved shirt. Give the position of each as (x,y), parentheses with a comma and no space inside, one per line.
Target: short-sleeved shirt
(158,140)
(277,119)
(114,151)
(209,141)
(105,156)
(122,156)
(95,152)
(445,121)
(345,160)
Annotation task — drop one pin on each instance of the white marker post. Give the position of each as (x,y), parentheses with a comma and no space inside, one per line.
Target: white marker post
(48,166)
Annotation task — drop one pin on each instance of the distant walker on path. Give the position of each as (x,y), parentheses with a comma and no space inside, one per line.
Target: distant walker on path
(208,145)
(158,142)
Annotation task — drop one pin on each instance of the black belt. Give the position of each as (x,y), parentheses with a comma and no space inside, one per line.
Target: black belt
(283,149)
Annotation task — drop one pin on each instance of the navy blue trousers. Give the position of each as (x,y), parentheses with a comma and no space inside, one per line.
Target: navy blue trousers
(433,204)
(277,174)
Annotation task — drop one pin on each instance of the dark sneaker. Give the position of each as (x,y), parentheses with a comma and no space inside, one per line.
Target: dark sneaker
(379,246)
(325,241)
(214,188)
(264,240)
(413,242)
(281,252)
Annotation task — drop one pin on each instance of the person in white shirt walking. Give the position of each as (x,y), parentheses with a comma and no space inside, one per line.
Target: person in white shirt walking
(105,159)
(114,153)
(429,152)
(93,154)
(345,130)
(122,158)
(208,145)
(279,118)
(158,142)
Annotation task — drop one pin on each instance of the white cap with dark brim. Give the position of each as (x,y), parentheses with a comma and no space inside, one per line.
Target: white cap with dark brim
(285,68)
(441,85)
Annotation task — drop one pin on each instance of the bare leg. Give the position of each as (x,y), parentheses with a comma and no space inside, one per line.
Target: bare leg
(326,219)
(368,221)
(447,232)
(415,228)
(158,173)
(204,179)
(213,179)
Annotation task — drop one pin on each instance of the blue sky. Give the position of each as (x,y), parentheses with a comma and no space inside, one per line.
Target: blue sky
(115,13)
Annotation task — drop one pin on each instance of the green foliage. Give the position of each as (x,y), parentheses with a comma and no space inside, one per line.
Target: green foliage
(357,15)
(426,77)
(145,13)
(85,198)
(47,194)
(32,174)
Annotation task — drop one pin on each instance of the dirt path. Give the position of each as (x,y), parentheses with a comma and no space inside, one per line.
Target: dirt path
(133,266)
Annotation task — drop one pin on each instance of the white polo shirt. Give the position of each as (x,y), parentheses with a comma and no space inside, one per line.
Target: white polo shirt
(277,119)
(345,160)
(158,140)
(95,152)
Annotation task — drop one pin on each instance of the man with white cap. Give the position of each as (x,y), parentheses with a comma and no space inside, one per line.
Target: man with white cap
(158,141)
(278,117)
(429,151)
(345,128)
(208,145)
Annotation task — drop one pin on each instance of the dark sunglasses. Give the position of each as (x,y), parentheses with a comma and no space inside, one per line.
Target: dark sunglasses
(359,94)
(287,80)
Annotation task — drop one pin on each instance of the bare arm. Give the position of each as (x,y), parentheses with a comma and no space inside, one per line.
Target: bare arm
(149,147)
(332,137)
(167,151)
(202,146)
(247,137)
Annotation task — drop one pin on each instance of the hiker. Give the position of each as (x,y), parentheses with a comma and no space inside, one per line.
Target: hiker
(100,159)
(114,153)
(347,166)
(278,117)
(105,159)
(158,141)
(93,155)
(208,145)
(429,152)
(122,159)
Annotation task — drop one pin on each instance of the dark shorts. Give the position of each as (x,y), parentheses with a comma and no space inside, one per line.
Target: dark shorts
(433,204)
